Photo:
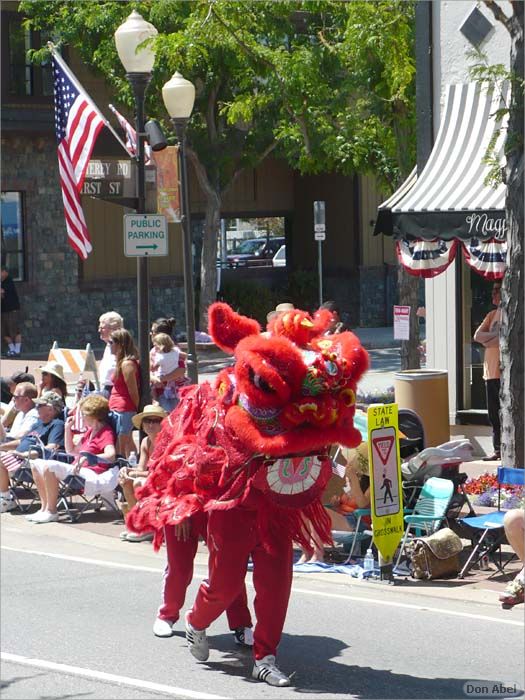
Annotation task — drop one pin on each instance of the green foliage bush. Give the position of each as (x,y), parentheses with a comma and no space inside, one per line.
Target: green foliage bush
(255,300)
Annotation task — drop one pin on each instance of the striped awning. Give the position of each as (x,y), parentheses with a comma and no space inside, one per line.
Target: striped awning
(450,198)
(452,201)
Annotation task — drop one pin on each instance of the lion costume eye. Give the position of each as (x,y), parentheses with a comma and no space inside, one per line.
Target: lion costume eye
(259,382)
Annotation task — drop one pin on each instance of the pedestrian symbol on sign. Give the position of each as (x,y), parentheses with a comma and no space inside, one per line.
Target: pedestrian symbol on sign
(387,497)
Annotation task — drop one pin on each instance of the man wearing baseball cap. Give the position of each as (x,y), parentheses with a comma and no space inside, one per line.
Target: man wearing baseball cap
(49,429)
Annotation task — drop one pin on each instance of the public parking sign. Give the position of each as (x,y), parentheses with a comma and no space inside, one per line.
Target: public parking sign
(145,235)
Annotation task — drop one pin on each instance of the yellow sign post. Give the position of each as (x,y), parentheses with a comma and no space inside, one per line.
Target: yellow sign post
(386,495)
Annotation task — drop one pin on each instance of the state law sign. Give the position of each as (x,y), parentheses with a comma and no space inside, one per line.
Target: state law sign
(145,235)
(386,495)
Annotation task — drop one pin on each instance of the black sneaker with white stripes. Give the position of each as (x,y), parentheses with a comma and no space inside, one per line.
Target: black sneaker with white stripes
(243,636)
(197,641)
(266,670)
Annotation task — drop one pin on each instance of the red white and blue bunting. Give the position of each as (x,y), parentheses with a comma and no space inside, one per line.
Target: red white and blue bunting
(486,257)
(425,258)
(430,258)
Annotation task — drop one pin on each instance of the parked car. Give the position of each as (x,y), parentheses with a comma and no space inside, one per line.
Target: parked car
(255,252)
(279,259)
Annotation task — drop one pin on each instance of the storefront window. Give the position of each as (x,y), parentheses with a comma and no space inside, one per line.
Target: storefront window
(13,234)
(476,305)
(26,79)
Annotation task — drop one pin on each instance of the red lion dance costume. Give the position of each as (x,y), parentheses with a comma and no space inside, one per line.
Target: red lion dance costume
(252,452)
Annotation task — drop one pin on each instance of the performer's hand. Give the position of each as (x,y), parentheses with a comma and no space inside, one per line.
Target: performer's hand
(182,530)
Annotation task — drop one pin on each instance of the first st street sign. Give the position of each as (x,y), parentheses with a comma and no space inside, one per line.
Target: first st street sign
(145,235)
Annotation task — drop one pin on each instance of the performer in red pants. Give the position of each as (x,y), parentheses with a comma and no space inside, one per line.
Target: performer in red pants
(233,537)
(181,547)
(252,451)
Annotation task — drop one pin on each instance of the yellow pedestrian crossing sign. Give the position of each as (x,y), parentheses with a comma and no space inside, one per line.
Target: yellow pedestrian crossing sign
(386,496)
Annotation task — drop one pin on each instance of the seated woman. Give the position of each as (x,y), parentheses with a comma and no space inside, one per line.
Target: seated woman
(52,379)
(355,495)
(148,421)
(99,477)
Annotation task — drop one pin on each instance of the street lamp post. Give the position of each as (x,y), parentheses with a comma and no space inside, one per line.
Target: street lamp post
(179,95)
(138,65)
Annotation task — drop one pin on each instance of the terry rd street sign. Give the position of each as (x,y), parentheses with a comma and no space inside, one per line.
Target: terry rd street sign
(386,496)
(145,235)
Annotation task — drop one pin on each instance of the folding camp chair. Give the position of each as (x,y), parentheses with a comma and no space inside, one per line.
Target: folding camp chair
(72,498)
(356,537)
(429,512)
(486,532)
(22,485)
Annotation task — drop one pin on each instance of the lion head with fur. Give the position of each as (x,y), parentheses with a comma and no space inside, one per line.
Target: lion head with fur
(292,389)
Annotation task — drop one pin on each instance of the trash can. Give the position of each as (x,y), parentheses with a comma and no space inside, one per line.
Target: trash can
(425,391)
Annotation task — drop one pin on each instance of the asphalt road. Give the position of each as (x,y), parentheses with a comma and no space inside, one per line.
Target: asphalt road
(77,611)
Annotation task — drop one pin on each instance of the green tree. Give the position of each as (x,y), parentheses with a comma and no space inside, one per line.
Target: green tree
(327,85)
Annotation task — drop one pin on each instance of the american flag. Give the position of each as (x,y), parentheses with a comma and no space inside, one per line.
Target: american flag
(12,461)
(77,124)
(131,136)
(79,425)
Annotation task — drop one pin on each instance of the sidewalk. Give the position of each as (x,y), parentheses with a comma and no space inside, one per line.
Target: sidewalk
(101,530)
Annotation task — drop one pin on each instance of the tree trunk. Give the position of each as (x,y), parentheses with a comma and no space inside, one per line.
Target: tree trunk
(511,338)
(212,220)
(408,287)
(208,292)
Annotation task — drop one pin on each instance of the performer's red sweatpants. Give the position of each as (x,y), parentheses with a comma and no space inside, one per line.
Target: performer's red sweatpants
(179,573)
(232,538)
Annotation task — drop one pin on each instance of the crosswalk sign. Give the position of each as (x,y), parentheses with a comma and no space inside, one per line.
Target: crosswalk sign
(386,495)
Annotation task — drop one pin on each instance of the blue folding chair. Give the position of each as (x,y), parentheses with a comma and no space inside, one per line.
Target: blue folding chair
(430,511)
(487,533)
(350,539)
(22,485)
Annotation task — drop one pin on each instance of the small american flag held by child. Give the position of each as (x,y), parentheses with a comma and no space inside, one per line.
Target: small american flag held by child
(338,469)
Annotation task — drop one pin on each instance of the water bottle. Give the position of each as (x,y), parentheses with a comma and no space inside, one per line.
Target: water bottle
(368,563)
(132,460)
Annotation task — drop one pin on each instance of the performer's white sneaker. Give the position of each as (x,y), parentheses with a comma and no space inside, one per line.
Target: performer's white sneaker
(243,636)
(162,628)
(197,641)
(266,670)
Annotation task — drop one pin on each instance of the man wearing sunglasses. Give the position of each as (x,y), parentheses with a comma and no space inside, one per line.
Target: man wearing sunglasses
(26,418)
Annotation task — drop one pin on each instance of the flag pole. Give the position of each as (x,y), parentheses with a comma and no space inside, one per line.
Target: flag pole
(58,58)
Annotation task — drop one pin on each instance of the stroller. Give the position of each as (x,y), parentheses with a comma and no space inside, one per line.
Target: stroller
(442,461)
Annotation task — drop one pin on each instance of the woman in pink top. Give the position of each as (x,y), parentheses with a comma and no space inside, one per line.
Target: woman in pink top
(488,335)
(124,398)
(95,455)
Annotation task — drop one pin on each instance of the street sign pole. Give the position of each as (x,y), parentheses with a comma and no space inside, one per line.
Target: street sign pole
(320,269)
(320,236)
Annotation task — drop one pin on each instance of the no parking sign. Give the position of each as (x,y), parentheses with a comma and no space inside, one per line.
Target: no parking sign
(386,495)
